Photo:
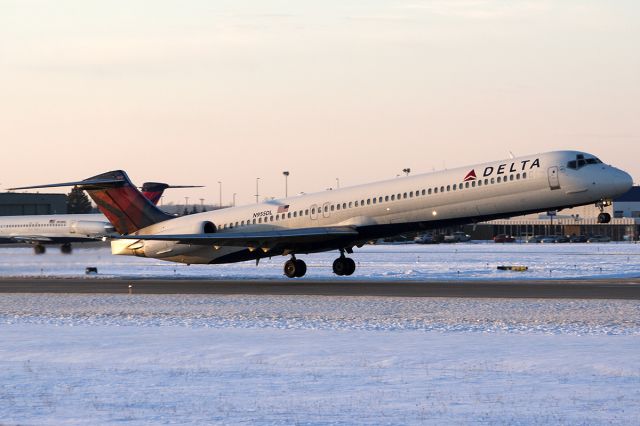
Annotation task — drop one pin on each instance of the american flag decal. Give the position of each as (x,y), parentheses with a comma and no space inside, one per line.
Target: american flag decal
(470,176)
(283,209)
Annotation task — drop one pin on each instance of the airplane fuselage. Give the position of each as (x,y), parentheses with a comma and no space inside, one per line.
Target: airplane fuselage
(547,181)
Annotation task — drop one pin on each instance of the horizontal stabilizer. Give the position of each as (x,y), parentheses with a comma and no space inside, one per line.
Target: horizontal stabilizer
(97,183)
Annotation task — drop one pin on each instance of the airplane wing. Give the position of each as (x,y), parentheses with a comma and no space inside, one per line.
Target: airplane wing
(254,239)
(31,239)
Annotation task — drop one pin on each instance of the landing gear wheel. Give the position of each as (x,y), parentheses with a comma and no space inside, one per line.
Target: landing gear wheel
(344,266)
(295,268)
(39,249)
(604,218)
(66,248)
(301,268)
(351,266)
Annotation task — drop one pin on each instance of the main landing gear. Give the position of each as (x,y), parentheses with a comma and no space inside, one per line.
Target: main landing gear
(603,217)
(295,268)
(66,248)
(39,249)
(344,265)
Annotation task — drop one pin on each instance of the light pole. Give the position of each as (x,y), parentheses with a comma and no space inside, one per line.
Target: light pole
(257,191)
(234,199)
(407,171)
(201,204)
(286,183)
(220,193)
(337,183)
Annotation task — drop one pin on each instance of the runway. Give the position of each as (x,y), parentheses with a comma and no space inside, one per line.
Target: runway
(627,289)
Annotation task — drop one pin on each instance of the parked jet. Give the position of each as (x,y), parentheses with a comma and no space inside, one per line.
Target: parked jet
(349,217)
(65,229)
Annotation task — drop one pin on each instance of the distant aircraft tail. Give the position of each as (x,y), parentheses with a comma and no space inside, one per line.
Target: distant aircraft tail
(119,200)
(154,190)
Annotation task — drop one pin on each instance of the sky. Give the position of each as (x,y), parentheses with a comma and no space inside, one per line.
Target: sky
(335,92)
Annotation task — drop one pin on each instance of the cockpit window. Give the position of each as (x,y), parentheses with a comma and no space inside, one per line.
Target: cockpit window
(580,162)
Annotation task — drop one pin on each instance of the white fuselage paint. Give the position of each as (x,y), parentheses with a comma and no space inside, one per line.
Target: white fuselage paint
(527,184)
(44,229)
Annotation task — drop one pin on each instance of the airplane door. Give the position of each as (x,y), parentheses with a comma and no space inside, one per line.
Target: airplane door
(554,181)
(325,210)
(314,212)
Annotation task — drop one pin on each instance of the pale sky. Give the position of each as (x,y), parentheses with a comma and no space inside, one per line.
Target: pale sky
(196,92)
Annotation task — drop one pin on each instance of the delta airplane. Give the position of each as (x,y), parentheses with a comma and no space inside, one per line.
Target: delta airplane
(65,229)
(347,218)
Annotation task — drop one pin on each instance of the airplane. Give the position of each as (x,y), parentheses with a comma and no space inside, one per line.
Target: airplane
(65,229)
(347,218)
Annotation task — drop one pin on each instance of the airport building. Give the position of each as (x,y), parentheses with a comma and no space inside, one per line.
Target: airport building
(624,225)
(17,204)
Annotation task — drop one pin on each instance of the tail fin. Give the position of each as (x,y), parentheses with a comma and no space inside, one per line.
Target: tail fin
(119,200)
(154,190)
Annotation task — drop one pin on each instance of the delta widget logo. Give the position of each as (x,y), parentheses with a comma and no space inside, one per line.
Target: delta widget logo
(470,176)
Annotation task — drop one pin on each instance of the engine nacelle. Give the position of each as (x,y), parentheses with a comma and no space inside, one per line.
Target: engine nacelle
(162,249)
(91,228)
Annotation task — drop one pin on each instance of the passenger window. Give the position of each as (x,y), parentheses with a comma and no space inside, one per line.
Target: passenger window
(511,177)
(344,206)
(442,189)
(350,204)
(435,190)
(333,207)
(356,204)
(454,186)
(429,192)
(379,199)
(393,197)
(424,192)
(375,200)
(518,176)
(306,212)
(411,194)
(289,215)
(404,195)
(368,201)
(295,214)
(259,221)
(524,175)
(338,206)
(493,181)
(386,198)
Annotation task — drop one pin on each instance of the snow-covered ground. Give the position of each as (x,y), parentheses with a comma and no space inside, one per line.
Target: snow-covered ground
(171,359)
(320,360)
(405,262)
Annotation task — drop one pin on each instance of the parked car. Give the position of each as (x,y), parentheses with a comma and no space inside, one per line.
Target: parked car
(503,238)
(598,239)
(579,239)
(457,237)
(425,239)
(562,239)
(548,240)
(535,239)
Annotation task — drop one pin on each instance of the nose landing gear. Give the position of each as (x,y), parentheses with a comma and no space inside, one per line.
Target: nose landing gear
(295,268)
(603,217)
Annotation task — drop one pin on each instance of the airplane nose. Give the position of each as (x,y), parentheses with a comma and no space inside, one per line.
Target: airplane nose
(623,181)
